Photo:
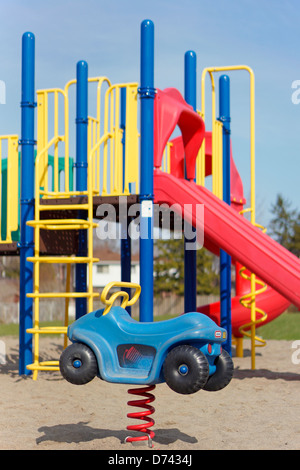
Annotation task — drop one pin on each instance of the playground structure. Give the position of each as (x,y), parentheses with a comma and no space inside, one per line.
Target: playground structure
(48,217)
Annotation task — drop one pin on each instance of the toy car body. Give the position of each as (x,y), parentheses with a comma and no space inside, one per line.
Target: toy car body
(185,351)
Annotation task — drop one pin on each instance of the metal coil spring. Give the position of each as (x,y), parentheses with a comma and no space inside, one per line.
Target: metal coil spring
(142,415)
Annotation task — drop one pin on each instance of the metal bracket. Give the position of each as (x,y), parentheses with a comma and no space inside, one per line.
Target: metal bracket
(147,92)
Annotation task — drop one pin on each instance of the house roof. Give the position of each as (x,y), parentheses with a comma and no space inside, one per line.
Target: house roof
(108,255)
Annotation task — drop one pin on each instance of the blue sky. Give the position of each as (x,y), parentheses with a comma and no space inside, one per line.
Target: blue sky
(262,34)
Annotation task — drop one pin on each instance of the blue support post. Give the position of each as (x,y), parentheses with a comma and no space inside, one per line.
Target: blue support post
(190,256)
(27,199)
(123,127)
(81,176)
(124,220)
(225,259)
(147,95)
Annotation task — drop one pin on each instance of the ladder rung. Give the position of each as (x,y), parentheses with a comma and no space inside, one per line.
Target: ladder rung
(62,259)
(64,227)
(54,207)
(49,295)
(62,194)
(62,224)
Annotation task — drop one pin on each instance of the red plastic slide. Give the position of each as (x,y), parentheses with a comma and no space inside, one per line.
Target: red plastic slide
(224,228)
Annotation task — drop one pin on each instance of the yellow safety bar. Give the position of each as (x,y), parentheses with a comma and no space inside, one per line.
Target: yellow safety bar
(12,200)
(131,140)
(109,302)
(249,300)
(44,144)
(94,132)
(166,159)
(113,171)
(211,71)
(217,142)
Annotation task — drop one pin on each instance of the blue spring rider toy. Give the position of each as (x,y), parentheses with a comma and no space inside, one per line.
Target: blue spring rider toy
(185,352)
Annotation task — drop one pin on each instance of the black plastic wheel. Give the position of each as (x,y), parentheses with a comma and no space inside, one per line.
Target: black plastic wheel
(186,369)
(223,375)
(78,364)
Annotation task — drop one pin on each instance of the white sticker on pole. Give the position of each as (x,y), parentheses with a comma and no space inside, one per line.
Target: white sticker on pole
(147,209)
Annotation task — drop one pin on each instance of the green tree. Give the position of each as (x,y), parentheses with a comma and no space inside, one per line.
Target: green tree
(285,225)
(294,243)
(169,269)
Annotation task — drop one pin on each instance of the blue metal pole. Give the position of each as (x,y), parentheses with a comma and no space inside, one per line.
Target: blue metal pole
(81,175)
(225,259)
(125,239)
(147,95)
(190,256)
(123,127)
(27,199)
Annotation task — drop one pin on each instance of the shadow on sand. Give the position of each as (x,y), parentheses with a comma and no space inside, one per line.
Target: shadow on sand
(82,432)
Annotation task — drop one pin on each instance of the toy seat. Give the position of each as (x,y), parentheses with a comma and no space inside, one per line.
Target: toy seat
(120,324)
(172,327)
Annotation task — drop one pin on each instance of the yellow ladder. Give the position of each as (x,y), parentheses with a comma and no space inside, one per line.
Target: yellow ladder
(37,330)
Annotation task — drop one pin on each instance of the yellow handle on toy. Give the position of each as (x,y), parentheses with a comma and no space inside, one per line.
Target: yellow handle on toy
(109,302)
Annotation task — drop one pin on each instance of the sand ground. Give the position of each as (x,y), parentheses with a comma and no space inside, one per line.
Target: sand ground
(260,409)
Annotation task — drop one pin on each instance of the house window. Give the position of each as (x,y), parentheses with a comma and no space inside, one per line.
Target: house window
(102,268)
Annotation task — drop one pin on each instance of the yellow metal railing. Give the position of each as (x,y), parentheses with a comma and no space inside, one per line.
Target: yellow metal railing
(166,159)
(11,209)
(249,300)
(116,178)
(216,142)
(108,148)
(131,169)
(217,165)
(94,132)
(44,144)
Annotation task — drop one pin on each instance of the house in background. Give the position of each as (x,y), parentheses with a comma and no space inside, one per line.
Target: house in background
(108,268)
